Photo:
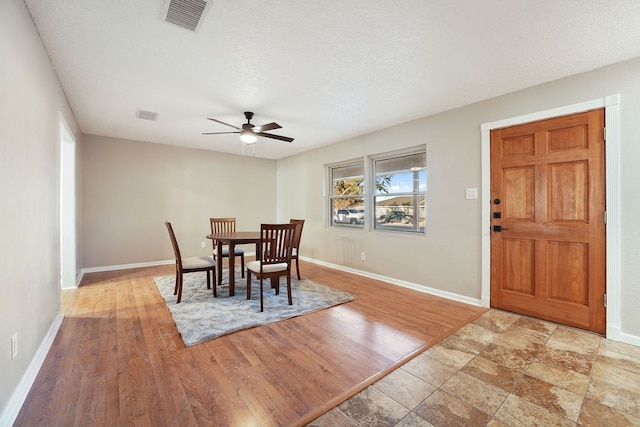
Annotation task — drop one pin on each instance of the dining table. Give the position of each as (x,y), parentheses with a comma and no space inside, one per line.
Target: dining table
(232,239)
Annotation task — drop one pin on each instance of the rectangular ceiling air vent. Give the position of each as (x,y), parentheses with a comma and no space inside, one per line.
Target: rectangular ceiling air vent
(185,13)
(147,115)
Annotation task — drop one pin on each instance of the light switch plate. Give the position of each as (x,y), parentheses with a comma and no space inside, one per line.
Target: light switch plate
(471,193)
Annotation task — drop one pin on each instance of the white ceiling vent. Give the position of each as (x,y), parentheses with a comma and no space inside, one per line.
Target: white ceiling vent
(147,115)
(185,13)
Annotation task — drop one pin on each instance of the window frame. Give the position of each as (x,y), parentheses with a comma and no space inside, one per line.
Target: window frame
(357,221)
(416,194)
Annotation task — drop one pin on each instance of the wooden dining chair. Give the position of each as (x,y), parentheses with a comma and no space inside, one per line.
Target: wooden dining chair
(226,225)
(275,258)
(296,242)
(190,265)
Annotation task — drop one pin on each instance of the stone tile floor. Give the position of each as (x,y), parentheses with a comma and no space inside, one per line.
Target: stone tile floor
(505,369)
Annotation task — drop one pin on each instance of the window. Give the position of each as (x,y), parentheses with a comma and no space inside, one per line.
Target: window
(347,195)
(399,194)
(389,190)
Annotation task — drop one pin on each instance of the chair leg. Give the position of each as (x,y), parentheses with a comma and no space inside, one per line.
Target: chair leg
(213,273)
(175,288)
(248,284)
(242,263)
(289,288)
(261,302)
(275,284)
(219,265)
(298,269)
(179,284)
(208,280)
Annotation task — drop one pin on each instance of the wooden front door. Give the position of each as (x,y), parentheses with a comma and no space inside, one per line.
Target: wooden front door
(548,220)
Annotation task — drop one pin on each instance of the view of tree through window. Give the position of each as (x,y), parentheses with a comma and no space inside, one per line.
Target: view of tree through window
(400,205)
(347,199)
(398,202)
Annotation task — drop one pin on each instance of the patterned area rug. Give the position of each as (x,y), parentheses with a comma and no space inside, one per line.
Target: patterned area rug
(200,317)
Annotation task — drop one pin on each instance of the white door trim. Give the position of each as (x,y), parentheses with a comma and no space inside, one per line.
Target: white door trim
(67,205)
(611,105)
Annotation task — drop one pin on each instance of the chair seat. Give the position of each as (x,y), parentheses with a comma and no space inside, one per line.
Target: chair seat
(236,251)
(198,262)
(268,268)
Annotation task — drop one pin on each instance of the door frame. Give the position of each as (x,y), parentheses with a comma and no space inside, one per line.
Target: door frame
(67,205)
(611,104)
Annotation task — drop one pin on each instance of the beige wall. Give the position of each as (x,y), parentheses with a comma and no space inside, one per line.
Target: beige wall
(30,101)
(130,188)
(448,256)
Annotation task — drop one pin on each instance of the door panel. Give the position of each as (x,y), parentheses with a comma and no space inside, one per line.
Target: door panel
(519,193)
(569,192)
(519,266)
(568,264)
(547,184)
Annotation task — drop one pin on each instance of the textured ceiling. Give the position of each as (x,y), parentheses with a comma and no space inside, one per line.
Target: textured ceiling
(325,70)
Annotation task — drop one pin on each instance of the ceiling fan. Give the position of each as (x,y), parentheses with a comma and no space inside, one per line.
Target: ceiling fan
(249,132)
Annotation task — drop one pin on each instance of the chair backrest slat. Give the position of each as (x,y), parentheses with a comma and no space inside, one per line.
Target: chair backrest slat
(222,225)
(277,242)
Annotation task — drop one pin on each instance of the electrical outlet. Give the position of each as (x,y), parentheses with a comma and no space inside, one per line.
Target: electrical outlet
(14,346)
(203,244)
(362,256)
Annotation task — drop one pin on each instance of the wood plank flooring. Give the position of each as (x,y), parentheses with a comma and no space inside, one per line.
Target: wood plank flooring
(119,360)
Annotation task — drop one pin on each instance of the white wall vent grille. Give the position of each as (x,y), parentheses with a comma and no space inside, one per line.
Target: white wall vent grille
(147,115)
(185,13)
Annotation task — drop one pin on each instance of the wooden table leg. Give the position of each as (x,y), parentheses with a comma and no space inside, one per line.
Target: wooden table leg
(232,268)
(219,262)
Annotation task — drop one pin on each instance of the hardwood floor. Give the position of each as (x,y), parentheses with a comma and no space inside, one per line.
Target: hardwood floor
(118,358)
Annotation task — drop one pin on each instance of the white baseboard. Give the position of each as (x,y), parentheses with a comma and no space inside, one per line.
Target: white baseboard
(126,266)
(630,339)
(11,411)
(78,280)
(402,283)
(136,265)
(614,332)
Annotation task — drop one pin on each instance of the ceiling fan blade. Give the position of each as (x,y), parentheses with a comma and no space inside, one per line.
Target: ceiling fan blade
(217,133)
(272,136)
(268,126)
(223,123)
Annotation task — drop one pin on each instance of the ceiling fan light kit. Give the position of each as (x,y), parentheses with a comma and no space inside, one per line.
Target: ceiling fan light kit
(248,137)
(249,132)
